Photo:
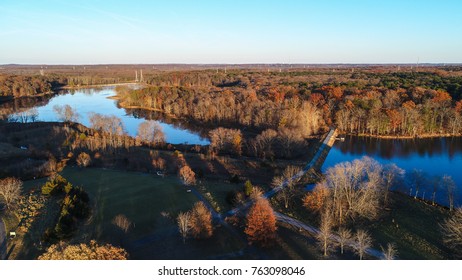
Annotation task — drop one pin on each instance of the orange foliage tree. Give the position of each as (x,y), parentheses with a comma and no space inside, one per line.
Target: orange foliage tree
(315,199)
(187,175)
(92,251)
(201,221)
(261,223)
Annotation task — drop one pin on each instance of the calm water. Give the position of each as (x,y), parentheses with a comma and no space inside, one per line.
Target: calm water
(96,100)
(434,156)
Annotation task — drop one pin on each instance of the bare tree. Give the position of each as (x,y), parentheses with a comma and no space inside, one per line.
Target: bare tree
(66,113)
(264,143)
(110,124)
(448,182)
(83,159)
(362,243)
(391,173)
(355,189)
(30,115)
(122,222)
(452,229)
(324,236)
(417,181)
(151,132)
(10,190)
(256,193)
(390,252)
(184,224)
(285,193)
(344,238)
(289,178)
(290,174)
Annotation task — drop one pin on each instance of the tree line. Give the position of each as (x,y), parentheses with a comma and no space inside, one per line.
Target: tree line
(366,102)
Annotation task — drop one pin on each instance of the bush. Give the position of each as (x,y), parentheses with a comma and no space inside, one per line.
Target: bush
(248,188)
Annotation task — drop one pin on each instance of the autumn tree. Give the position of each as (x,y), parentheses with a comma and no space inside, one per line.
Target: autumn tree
(226,140)
(83,159)
(248,188)
(261,223)
(187,176)
(201,221)
(316,199)
(91,251)
(151,132)
(10,191)
(184,224)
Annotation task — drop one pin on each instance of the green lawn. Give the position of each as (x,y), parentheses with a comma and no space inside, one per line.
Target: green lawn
(414,227)
(151,203)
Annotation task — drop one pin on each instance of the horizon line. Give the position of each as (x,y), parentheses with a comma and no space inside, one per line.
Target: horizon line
(238,64)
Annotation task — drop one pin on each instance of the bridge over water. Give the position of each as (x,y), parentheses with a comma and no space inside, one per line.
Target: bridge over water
(314,165)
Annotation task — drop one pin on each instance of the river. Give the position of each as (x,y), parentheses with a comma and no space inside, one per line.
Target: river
(97,100)
(434,156)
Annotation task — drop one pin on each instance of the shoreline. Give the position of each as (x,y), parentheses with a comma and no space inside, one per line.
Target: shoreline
(98,85)
(403,137)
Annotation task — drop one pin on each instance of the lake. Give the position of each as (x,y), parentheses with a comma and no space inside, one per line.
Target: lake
(434,156)
(97,100)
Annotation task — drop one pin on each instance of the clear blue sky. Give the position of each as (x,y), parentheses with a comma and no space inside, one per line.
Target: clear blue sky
(222,31)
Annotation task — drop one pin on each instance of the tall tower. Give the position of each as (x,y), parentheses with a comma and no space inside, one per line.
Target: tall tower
(141,76)
(136,75)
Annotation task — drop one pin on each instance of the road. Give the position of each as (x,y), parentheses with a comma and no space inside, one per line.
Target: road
(2,240)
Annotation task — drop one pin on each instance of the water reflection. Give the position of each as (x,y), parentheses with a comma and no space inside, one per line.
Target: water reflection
(96,100)
(434,156)
(401,148)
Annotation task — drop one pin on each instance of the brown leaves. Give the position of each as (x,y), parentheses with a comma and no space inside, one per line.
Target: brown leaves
(187,175)
(261,223)
(201,221)
(92,251)
(315,199)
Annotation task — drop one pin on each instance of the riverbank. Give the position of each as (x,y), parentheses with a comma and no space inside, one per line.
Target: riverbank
(420,136)
(97,85)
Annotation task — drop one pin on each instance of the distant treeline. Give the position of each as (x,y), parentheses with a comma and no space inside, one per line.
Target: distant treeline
(20,86)
(305,102)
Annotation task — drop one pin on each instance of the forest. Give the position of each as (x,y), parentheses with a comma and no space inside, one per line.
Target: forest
(366,102)
(263,125)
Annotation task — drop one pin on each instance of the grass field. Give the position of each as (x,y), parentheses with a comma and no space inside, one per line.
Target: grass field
(414,227)
(152,204)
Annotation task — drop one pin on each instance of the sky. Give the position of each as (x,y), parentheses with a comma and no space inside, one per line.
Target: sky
(225,31)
